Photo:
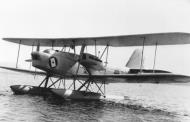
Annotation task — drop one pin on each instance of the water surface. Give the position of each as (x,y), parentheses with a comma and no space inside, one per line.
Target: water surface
(143,102)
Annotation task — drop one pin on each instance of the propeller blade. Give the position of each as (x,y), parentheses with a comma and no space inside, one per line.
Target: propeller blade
(28,60)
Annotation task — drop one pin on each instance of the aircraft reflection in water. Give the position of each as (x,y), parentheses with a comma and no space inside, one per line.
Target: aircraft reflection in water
(88,69)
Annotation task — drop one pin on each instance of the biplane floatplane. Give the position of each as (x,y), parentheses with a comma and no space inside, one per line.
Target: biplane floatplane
(88,69)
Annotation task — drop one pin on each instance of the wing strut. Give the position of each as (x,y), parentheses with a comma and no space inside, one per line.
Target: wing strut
(31,61)
(142,55)
(95,48)
(52,46)
(38,47)
(107,56)
(18,54)
(155,53)
(103,52)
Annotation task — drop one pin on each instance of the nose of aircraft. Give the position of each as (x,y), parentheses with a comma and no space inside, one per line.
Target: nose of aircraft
(40,60)
(35,55)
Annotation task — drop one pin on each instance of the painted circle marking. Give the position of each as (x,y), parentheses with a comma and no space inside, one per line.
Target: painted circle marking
(53,62)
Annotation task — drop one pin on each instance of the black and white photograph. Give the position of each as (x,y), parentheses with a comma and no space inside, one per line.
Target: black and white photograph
(94,61)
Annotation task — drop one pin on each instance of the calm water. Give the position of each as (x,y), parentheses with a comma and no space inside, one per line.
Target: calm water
(143,102)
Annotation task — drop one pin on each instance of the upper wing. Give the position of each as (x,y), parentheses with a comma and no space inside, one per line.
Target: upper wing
(115,41)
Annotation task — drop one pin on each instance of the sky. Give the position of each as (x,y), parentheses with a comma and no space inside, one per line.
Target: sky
(80,18)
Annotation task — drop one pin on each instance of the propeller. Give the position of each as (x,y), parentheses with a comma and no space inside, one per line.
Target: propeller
(79,60)
(28,60)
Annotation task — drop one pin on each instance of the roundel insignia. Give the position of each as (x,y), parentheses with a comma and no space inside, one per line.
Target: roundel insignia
(53,62)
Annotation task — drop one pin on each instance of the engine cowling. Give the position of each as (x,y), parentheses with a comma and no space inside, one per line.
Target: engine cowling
(91,63)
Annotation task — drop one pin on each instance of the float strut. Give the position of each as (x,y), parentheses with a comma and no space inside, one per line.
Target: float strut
(82,85)
(46,82)
(99,88)
(104,89)
(74,84)
(45,79)
(42,82)
(64,83)
(87,86)
(54,82)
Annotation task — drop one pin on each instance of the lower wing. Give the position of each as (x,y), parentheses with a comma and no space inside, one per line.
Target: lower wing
(24,71)
(143,78)
(116,78)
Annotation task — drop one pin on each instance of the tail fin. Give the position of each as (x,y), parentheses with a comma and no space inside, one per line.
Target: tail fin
(134,61)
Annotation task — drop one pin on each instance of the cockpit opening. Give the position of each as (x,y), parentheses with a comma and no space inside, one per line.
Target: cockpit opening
(50,51)
(86,56)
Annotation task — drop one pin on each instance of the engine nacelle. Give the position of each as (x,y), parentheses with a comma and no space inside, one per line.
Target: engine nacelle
(91,63)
